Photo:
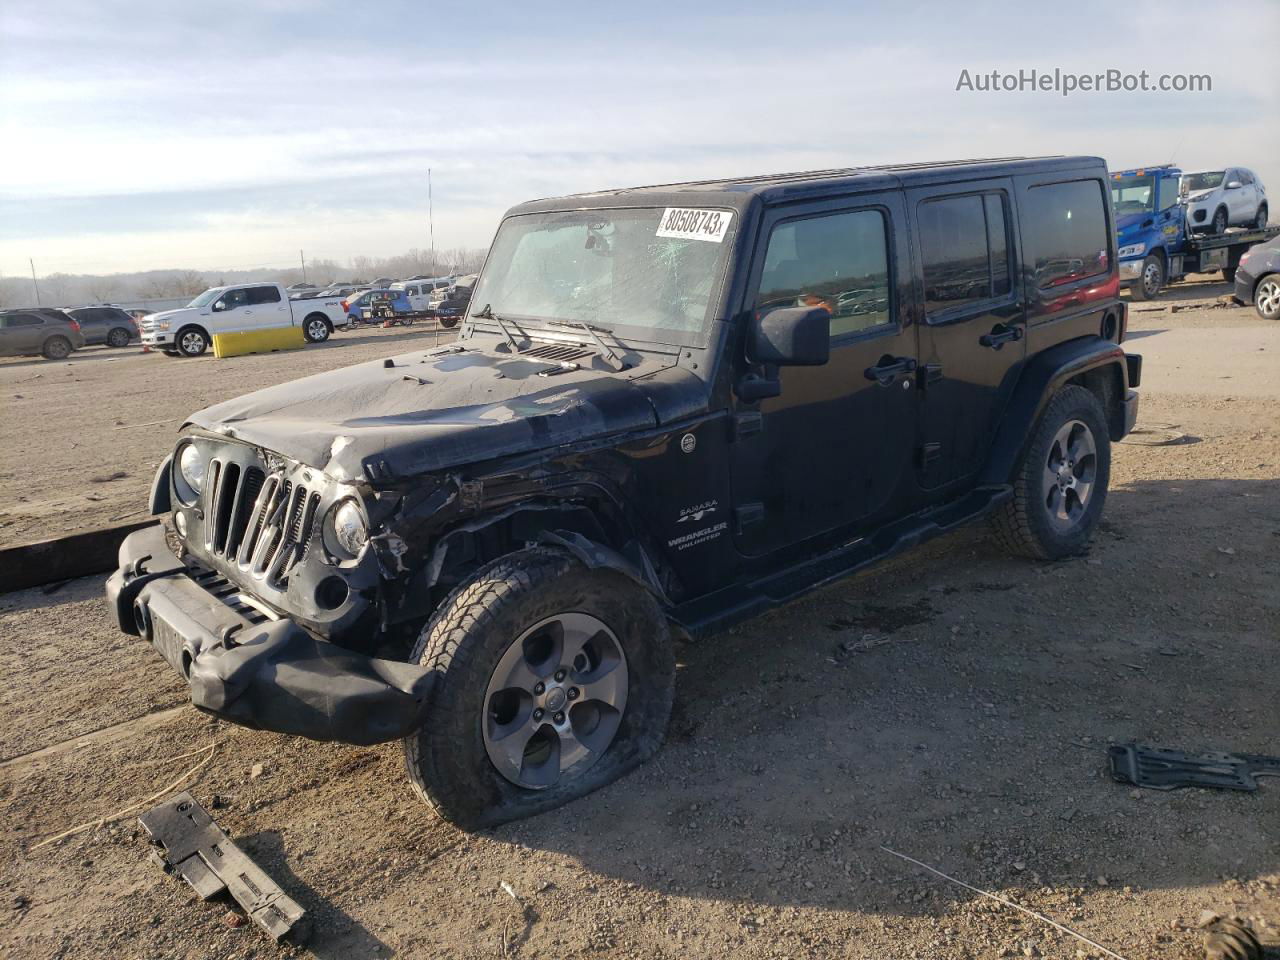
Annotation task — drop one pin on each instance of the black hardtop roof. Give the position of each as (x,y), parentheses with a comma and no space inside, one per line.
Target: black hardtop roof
(782,187)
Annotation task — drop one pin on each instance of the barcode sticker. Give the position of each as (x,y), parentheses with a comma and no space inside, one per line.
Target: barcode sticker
(683,223)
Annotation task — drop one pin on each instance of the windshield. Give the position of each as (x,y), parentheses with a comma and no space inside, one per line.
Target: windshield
(647,272)
(1133,194)
(207,297)
(1209,180)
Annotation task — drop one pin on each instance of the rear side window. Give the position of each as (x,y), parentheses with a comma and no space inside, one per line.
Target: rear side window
(1065,232)
(22,320)
(264,295)
(965,249)
(840,262)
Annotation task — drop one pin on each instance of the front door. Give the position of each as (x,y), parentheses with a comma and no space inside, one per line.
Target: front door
(972,338)
(835,447)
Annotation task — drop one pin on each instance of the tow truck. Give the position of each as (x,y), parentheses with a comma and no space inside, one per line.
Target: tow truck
(1155,245)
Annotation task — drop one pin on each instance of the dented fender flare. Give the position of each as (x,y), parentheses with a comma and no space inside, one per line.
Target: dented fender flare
(597,556)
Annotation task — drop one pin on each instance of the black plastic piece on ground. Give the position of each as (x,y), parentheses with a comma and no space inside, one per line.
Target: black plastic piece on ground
(196,848)
(1160,769)
(1231,939)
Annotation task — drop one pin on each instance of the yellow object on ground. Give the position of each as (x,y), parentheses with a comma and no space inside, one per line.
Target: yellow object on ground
(257,341)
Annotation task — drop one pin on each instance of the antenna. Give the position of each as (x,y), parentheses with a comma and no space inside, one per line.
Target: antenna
(431,219)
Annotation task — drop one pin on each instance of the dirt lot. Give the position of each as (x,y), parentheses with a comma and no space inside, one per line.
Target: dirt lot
(81,438)
(954,705)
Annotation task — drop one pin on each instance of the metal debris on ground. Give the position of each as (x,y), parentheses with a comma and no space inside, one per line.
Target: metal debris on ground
(1231,939)
(197,849)
(1158,769)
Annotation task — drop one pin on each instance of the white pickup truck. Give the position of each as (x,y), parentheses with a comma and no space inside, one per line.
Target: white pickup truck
(189,330)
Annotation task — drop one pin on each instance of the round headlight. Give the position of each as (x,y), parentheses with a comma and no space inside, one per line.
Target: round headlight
(192,467)
(349,531)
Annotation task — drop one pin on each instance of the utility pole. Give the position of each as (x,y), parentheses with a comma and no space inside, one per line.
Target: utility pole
(34,282)
(304,266)
(431,219)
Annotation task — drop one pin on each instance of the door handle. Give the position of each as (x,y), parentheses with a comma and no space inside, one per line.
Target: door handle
(888,368)
(1000,335)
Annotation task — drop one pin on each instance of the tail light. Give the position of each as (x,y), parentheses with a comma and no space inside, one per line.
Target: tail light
(344,306)
(75,325)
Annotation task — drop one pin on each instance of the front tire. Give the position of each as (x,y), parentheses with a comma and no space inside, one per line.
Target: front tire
(1060,485)
(1219,225)
(1151,281)
(192,341)
(449,322)
(1266,298)
(552,680)
(1261,217)
(316,329)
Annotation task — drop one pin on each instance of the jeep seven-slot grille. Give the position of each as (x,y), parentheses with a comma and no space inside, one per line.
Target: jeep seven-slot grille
(260,522)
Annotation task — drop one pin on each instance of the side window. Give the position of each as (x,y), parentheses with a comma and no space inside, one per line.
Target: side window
(839,261)
(965,250)
(235,298)
(1169,191)
(1065,232)
(264,295)
(1246,177)
(24,320)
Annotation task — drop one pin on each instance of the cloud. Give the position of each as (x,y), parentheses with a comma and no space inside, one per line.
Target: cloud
(172,130)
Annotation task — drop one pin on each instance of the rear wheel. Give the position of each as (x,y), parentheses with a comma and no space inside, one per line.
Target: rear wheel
(56,348)
(1267,297)
(119,337)
(552,680)
(1060,485)
(1151,280)
(316,329)
(192,341)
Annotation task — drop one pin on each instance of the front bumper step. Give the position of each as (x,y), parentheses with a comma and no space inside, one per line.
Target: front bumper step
(269,676)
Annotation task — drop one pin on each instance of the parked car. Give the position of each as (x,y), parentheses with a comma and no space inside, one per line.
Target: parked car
(1258,278)
(248,306)
(38,331)
(425,292)
(105,324)
(357,305)
(486,548)
(1217,199)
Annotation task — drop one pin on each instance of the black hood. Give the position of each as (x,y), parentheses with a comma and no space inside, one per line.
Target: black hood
(442,408)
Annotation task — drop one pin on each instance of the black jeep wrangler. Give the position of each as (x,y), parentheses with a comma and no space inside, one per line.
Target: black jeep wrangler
(669,408)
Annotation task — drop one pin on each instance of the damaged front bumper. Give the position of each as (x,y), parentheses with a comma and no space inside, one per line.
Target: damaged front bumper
(268,675)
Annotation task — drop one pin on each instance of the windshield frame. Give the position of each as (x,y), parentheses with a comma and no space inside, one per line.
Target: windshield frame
(666,336)
(206,298)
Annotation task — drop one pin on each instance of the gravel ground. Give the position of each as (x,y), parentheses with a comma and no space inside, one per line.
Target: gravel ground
(954,705)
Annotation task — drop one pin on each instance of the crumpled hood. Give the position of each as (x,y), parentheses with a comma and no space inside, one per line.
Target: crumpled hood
(441,408)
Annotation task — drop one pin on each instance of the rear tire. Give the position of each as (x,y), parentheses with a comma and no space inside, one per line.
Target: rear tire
(118,337)
(1151,280)
(191,341)
(488,624)
(316,329)
(1266,297)
(1060,485)
(56,348)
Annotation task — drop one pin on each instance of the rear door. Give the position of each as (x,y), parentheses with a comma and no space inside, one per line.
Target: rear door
(24,333)
(834,449)
(972,339)
(267,308)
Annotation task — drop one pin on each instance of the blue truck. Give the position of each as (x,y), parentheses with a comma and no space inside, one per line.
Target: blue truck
(1155,244)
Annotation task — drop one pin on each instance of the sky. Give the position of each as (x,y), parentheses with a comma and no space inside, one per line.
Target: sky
(146,135)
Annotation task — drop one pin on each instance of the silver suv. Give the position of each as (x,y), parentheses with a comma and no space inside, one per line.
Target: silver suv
(1217,199)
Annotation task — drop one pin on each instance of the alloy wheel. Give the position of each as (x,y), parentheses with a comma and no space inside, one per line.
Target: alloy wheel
(1069,473)
(1267,298)
(1151,278)
(555,700)
(317,331)
(192,343)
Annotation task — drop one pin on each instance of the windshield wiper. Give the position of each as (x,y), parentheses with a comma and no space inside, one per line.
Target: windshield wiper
(486,313)
(615,361)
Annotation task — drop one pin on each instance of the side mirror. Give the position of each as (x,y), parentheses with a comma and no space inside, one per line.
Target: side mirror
(791,337)
(219,306)
(1233,185)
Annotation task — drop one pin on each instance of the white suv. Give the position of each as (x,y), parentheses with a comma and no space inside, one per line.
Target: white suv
(1217,199)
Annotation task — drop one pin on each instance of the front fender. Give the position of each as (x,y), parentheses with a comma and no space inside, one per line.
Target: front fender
(1042,376)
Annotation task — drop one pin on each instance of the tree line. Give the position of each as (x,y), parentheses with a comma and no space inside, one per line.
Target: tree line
(72,289)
